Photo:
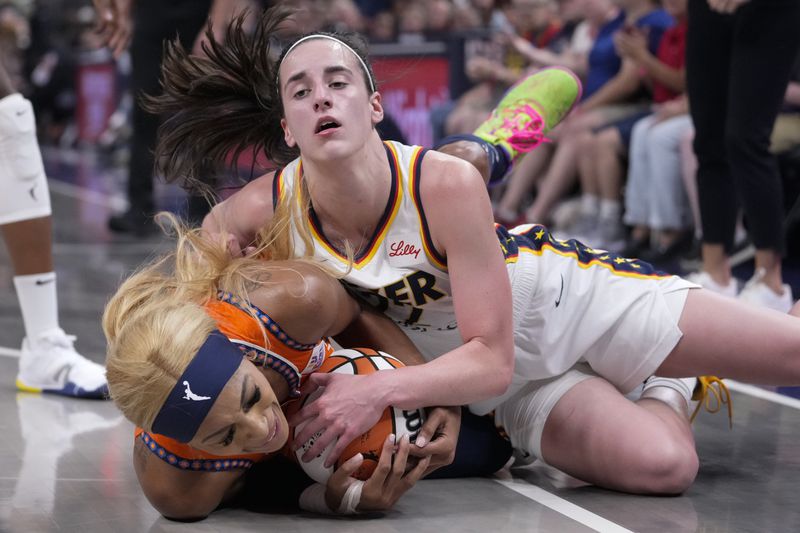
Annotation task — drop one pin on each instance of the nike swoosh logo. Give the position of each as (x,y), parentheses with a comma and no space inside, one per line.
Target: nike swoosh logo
(45,281)
(32,192)
(20,113)
(558,300)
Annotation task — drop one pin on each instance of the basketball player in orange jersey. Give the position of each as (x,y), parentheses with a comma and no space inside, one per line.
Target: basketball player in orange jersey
(48,360)
(549,334)
(197,363)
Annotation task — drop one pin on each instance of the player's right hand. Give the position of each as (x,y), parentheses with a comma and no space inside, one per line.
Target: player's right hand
(388,482)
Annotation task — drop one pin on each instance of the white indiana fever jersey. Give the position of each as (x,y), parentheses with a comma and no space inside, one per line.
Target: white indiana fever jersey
(570,303)
(398,271)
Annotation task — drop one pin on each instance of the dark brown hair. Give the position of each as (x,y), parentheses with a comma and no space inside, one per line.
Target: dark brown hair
(219,106)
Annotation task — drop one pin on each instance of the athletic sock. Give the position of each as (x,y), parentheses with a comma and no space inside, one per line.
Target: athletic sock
(38,301)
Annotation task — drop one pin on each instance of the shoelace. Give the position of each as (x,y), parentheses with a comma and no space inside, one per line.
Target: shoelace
(709,387)
(526,136)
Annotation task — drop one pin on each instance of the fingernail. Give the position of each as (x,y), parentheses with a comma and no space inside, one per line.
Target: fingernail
(392,438)
(420,442)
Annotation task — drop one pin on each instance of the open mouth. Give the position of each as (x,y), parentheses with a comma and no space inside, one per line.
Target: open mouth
(325,125)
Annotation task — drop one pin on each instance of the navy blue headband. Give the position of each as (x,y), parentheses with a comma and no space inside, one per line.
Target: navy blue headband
(197,389)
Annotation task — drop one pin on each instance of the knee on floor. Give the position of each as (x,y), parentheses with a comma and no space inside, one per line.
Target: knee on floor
(667,466)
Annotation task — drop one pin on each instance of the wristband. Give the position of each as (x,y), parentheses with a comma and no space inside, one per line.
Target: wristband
(351,498)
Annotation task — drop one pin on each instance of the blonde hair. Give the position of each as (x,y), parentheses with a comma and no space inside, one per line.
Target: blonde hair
(155,322)
(275,240)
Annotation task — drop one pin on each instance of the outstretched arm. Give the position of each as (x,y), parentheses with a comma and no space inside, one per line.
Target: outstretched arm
(460,219)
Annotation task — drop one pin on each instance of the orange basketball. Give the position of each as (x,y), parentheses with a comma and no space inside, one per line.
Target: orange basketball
(370,443)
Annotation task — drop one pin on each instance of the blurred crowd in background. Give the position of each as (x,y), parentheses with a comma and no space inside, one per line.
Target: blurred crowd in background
(618,174)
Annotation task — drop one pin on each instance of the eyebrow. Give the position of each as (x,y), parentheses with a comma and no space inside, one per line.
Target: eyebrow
(328,70)
(241,406)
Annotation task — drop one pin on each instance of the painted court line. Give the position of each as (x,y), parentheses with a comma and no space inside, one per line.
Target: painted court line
(9,352)
(87,195)
(758,392)
(562,506)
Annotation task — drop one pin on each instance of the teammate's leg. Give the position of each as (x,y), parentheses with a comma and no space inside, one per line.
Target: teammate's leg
(530,109)
(48,361)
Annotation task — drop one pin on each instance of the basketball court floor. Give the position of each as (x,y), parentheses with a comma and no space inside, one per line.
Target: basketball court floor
(65,465)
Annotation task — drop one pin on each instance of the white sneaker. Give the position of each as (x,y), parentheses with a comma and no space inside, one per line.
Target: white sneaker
(704,279)
(757,292)
(49,363)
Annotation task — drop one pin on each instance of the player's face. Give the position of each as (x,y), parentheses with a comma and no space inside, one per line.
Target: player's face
(245,418)
(328,111)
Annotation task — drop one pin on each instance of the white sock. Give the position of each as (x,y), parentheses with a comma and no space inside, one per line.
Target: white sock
(610,209)
(590,204)
(676,393)
(37,299)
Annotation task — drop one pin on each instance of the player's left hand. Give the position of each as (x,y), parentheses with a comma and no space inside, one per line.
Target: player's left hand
(438,437)
(346,408)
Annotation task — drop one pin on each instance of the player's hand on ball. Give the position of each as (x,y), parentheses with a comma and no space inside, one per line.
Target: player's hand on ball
(386,485)
(346,409)
(438,437)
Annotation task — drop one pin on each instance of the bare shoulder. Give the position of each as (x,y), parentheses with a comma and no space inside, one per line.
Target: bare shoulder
(300,296)
(245,212)
(446,178)
(255,197)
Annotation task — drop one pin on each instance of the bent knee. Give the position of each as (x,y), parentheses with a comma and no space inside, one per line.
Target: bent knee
(668,467)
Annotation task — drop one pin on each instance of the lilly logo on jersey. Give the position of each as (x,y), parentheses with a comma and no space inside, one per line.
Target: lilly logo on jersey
(401,248)
(189,395)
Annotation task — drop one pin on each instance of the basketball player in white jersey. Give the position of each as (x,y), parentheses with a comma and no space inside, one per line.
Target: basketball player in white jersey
(48,362)
(548,334)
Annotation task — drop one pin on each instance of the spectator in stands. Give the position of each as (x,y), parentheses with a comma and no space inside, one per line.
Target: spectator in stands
(382,27)
(602,16)
(739,60)
(440,19)
(534,20)
(570,47)
(656,193)
(611,93)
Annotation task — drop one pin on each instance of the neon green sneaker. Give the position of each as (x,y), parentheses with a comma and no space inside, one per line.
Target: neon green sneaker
(531,108)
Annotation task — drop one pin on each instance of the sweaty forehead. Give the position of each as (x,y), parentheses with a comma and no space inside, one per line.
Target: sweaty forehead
(317,54)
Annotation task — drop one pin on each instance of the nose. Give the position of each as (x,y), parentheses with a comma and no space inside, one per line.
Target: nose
(322,100)
(257,427)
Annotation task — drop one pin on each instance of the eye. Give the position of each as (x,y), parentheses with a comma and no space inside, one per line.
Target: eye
(228,437)
(338,84)
(301,93)
(254,399)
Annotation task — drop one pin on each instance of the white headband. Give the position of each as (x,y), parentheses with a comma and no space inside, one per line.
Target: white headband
(330,38)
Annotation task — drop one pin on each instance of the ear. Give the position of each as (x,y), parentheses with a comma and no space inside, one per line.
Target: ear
(287,135)
(376,106)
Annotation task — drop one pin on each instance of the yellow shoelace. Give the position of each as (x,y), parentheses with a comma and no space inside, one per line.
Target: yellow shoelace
(712,394)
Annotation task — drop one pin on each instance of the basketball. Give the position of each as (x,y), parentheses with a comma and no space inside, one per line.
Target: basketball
(397,421)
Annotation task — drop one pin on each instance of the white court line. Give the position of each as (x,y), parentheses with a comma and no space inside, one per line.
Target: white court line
(87,195)
(598,523)
(9,352)
(562,506)
(758,392)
